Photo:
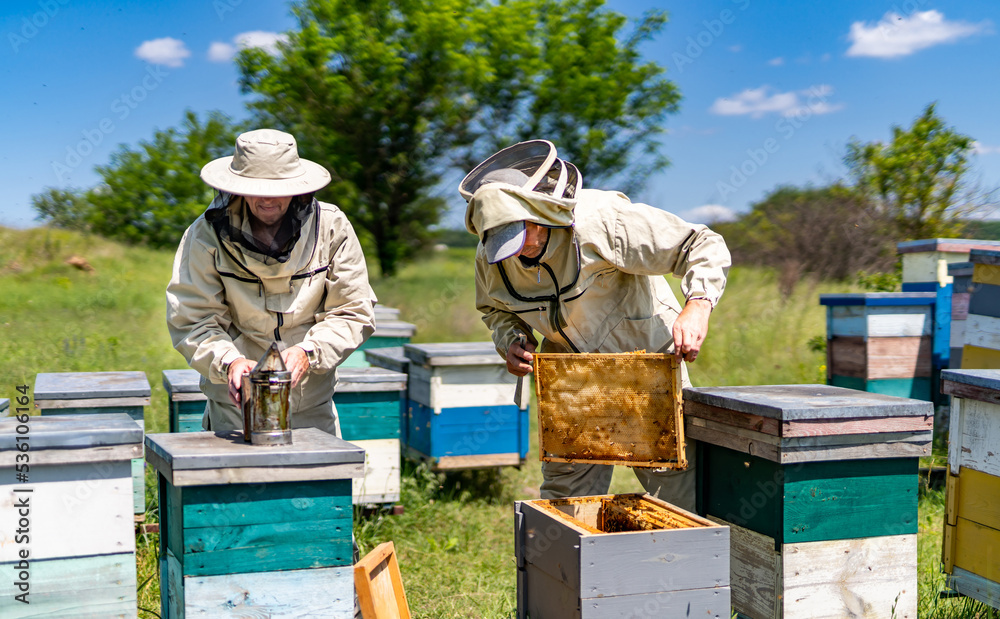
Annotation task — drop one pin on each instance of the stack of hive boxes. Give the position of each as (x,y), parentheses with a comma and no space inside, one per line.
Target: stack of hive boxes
(72,393)
(981,348)
(368,402)
(881,342)
(819,487)
(972,516)
(462,411)
(68,532)
(251,530)
(389,331)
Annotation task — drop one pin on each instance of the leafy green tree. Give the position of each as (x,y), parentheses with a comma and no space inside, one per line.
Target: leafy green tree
(917,178)
(391,95)
(149,194)
(829,232)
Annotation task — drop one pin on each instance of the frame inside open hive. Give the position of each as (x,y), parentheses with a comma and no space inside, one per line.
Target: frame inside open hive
(619,513)
(615,408)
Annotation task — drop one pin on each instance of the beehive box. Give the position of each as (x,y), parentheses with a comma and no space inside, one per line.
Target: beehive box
(186,401)
(610,409)
(921,259)
(368,407)
(981,349)
(71,393)
(462,412)
(881,342)
(4,407)
(817,476)
(251,530)
(971,548)
(393,358)
(76,503)
(625,555)
(388,333)
(386,313)
(961,291)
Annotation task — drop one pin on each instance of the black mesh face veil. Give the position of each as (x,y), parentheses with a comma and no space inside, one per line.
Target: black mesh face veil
(228,211)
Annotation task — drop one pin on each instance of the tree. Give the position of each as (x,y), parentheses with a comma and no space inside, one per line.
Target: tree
(830,232)
(149,194)
(917,178)
(392,94)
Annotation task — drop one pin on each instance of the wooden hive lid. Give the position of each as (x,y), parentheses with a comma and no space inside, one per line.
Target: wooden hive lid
(879,298)
(807,402)
(953,246)
(986,380)
(181,381)
(369,379)
(90,385)
(394,328)
(70,432)
(983,256)
(391,358)
(454,353)
(204,458)
(386,313)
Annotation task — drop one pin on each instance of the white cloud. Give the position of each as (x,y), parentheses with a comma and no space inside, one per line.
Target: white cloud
(756,102)
(896,35)
(221,52)
(709,214)
(981,149)
(776,62)
(268,41)
(166,51)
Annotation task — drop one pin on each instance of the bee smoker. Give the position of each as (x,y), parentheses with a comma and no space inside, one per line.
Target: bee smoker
(264,396)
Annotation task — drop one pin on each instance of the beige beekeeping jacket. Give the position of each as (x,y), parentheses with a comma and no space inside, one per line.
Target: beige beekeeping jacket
(599,286)
(225,302)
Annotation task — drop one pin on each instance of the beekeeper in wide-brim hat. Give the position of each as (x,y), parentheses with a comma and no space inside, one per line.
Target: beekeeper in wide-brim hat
(584,268)
(267,262)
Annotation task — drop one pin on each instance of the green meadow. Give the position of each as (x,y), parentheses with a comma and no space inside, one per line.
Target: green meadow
(455,537)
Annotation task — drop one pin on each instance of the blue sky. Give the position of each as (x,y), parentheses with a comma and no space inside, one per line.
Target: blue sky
(772,91)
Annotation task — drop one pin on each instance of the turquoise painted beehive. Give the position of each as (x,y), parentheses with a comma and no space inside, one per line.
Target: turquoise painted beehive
(881,342)
(462,411)
(368,402)
(388,333)
(70,393)
(819,485)
(186,401)
(255,530)
(68,531)
(971,545)
(393,358)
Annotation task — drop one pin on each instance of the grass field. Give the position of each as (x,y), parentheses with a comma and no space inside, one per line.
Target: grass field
(455,539)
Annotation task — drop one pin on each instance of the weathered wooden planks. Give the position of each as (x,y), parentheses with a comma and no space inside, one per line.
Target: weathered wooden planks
(280,512)
(461,405)
(382,472)
(866,577)
(78,494)
(569,567)
(971,547)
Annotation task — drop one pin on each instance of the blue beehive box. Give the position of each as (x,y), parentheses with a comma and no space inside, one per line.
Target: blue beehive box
(462,411)
(255,530)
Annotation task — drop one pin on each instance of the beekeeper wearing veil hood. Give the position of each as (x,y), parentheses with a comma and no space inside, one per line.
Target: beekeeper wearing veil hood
(584,268)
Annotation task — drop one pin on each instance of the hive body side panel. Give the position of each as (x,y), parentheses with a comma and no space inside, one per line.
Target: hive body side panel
(713,603)
(73,588)
(293,594)
(382,472)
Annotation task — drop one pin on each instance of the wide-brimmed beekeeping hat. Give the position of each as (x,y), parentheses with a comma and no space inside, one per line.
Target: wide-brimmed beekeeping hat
(265,163)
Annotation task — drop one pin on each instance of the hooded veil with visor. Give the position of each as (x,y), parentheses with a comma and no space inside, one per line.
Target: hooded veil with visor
(523,182)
